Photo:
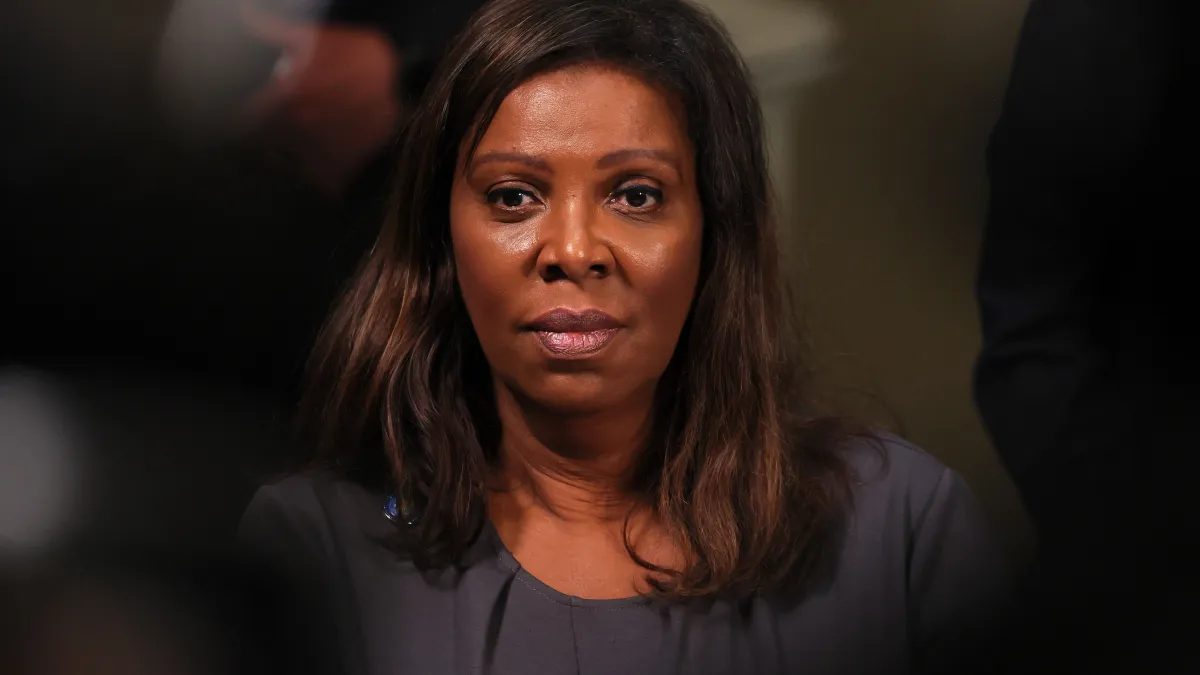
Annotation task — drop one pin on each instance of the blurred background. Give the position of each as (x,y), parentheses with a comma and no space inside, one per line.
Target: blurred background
(880,115)
(186,184)
(886,197)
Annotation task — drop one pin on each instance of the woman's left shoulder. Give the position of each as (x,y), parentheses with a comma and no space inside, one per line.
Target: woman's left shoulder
(916,521)
(907,501)
(892,475)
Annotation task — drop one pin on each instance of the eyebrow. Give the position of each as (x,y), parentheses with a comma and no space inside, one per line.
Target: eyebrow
(609,160)
(518,157)
(619,156)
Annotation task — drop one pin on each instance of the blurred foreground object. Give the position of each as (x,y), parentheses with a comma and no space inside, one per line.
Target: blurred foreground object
(1087,378)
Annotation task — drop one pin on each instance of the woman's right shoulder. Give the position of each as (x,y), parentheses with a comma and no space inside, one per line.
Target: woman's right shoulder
(307,511)
(303,491)
(297,533)
(298,496)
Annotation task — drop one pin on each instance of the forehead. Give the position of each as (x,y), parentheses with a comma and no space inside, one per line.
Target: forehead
(588,109)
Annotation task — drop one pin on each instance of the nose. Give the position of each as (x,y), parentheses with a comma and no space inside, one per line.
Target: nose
(573,248)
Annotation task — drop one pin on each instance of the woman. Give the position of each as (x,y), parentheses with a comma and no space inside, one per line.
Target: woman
(566,360)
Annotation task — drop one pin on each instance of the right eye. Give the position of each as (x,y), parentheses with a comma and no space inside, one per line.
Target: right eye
(510,198)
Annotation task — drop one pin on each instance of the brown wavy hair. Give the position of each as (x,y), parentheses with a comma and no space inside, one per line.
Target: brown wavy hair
(740,467)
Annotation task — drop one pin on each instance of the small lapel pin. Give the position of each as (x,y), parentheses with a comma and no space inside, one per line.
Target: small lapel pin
(399,511)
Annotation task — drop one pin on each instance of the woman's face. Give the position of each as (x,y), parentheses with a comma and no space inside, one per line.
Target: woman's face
(577,231)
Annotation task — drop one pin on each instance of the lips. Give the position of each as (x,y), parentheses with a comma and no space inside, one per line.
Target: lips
(565,332)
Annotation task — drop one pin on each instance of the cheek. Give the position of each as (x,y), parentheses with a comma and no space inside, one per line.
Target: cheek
(669,273)
(487,260)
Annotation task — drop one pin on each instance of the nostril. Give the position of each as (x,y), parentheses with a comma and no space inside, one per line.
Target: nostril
(554,273)
(599,269)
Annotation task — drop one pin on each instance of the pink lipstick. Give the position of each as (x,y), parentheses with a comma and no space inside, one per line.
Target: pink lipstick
(565,332)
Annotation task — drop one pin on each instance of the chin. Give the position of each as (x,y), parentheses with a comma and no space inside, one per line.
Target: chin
(573,393)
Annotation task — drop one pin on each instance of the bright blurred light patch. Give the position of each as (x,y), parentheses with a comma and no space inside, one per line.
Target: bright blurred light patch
(209,62)
(38,463)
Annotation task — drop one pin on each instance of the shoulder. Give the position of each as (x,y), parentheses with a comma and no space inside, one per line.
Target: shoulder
(304,532)
(310,513)
(889,472)
(916,534)
(314,491)
(906,500)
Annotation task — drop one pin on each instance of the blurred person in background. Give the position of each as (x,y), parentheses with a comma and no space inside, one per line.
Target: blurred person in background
(194,181)
(336,92)
(187,187)
(1087,381)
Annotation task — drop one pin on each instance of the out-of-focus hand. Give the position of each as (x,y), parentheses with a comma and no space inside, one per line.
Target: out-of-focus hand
(331,102)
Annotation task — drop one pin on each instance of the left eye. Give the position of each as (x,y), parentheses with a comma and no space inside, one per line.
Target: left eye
(510,198)
(639,197)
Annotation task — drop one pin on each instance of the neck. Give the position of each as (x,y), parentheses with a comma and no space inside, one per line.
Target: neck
(572,467)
